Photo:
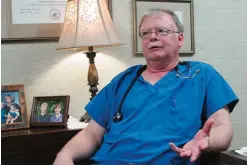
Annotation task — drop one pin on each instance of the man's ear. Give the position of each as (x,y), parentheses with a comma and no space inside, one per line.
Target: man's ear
(180,39)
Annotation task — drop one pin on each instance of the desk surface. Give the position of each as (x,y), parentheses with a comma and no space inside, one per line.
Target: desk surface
(232,153)
(232,158)
(34,131)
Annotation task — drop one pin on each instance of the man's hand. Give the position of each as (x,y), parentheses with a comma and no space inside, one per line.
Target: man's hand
(199,143)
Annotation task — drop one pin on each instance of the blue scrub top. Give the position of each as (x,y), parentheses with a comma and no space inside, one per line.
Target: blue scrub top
(171,110)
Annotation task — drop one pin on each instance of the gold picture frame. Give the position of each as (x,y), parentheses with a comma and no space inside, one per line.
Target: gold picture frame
(183,8)
(13,107)
(29,32)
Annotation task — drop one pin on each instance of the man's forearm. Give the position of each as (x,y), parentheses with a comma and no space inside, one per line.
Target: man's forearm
(82,145)
(220,137)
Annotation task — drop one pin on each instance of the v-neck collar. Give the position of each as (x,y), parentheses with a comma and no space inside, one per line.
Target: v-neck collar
(164,80)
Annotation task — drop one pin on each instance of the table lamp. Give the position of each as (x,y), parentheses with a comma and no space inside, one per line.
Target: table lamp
(88,25)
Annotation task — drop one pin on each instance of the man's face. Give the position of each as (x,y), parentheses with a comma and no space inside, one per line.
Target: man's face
(156,47)
(2,105)
(43,108)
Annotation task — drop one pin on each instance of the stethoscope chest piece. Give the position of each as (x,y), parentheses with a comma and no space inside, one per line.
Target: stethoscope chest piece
(117,117)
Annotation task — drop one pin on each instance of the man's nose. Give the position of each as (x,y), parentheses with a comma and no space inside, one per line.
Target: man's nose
(153,34)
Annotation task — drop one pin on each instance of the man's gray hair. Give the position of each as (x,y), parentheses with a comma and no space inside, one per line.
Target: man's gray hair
(152,12)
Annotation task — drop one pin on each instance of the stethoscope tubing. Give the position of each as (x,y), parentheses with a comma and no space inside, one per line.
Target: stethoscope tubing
(118,116)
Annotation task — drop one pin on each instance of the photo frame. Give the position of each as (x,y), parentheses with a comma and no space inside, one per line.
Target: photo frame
(33,20)
(50,111)
(184,10)
(13,107)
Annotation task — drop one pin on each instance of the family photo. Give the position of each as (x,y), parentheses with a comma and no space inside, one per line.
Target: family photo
(10,108)
(49,111)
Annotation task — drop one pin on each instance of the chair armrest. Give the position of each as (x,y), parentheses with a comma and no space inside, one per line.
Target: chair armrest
(210,158)
(83,162)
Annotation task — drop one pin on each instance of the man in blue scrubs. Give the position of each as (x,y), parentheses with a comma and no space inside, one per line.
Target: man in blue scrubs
(173,112)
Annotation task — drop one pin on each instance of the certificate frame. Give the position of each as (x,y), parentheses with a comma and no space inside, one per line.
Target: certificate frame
(29,32)
(185,7)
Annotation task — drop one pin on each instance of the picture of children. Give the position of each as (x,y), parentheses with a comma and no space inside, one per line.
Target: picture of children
(4,113)
(43,116)
(13,107)
(57,116)
(13,114)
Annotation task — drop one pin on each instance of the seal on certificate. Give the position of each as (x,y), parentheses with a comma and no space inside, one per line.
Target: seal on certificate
(55,14)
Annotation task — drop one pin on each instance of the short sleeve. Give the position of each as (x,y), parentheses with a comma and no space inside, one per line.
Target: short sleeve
(218,93)
(99,107)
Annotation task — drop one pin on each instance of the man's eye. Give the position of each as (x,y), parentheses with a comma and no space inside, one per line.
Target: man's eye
(162,31)
(145,33)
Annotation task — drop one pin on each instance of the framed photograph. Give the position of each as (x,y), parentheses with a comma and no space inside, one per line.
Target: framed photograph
(50,111)
(182,8)
(13,107)
(33,20)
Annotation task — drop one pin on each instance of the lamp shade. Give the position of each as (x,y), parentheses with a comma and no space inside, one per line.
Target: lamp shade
(87,23)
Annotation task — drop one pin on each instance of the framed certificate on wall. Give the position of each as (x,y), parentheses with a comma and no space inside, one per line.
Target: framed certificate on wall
(32,20)
(182,8)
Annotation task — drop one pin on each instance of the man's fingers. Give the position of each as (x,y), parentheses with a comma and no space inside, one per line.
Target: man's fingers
(186,153)
(175,148)
(207,126)
(195,155)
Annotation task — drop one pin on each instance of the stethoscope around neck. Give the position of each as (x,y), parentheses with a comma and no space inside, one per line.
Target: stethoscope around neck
(118,116)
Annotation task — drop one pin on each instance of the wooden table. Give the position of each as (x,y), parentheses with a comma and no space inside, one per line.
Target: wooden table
(34,146)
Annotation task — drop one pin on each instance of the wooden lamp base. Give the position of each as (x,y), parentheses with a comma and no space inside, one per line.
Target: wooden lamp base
(92,80)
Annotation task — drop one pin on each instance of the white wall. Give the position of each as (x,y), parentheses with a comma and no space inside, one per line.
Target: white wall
(220,39)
